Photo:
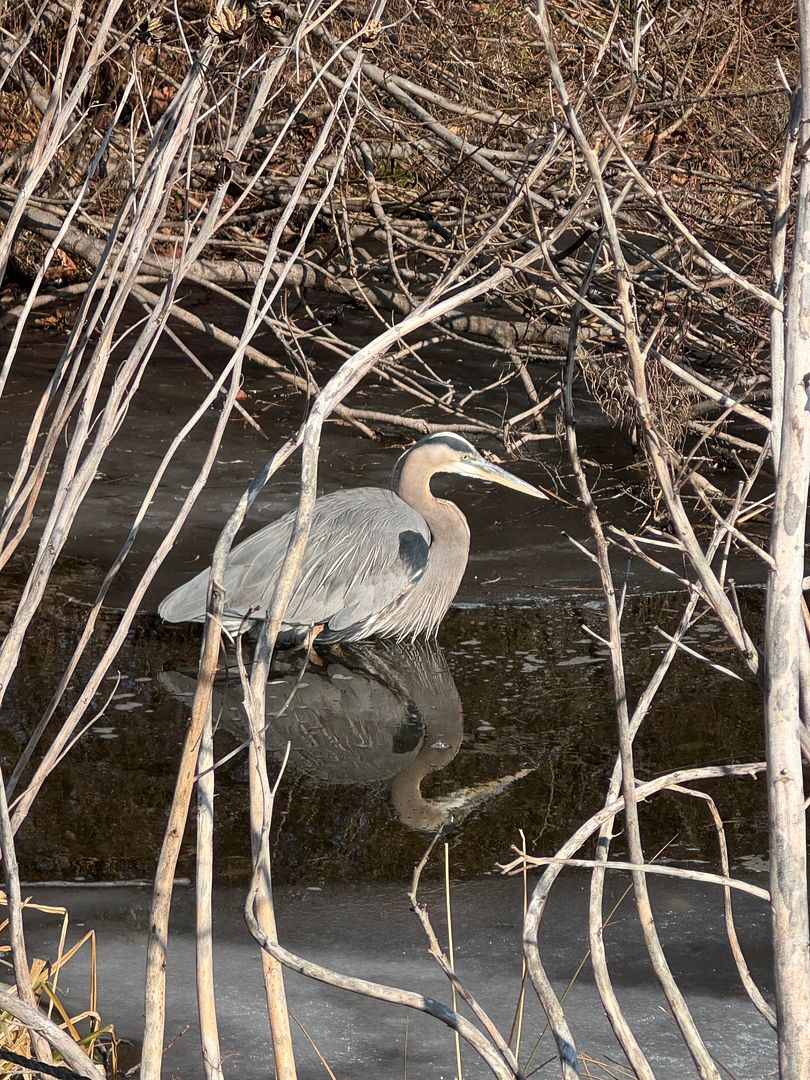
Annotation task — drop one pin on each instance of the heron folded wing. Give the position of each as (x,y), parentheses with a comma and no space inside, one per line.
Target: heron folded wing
(366,549)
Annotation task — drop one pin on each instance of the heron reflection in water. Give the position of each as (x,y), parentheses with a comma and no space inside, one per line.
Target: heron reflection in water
(378,714)
(377,564)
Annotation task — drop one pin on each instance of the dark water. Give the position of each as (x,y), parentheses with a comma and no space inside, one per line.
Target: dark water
(506,725)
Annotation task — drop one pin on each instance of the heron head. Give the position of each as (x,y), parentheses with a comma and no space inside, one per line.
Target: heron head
(450,453)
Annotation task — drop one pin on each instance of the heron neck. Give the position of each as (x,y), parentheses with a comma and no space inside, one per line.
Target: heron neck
(444,517)
(421,608)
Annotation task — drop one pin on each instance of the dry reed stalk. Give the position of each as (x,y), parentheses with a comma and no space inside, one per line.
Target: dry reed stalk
(753,991)
(378,991)
(204,936)
(157,950)
(451,950)
(651,868)
(44,977)
(447,965)
(37,1022)
(19,954)
(621,1028)
(786,644)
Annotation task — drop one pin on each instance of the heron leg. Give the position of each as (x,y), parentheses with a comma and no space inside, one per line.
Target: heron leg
(309,644)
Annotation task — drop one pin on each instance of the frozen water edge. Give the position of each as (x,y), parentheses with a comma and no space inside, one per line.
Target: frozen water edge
(370,931)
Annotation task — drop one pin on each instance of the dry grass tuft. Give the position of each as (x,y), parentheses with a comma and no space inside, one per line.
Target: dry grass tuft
(84,1027)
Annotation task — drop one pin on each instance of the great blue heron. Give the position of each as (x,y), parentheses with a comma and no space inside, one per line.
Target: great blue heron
(378,563)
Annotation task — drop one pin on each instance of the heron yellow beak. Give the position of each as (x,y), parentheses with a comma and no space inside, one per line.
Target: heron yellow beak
(481,469)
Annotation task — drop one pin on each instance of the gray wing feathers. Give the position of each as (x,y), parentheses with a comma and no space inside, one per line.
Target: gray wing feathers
(355,565)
